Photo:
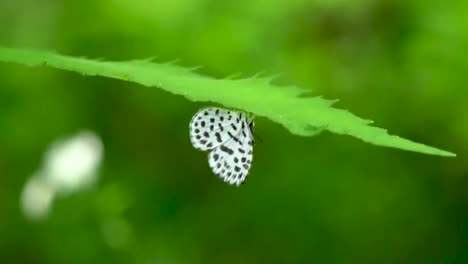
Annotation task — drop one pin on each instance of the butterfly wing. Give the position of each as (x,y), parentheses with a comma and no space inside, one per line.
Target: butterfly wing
(232,160)
(210,127)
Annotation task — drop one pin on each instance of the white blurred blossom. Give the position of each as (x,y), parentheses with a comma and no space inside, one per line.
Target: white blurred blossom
(70,164)
(37,198)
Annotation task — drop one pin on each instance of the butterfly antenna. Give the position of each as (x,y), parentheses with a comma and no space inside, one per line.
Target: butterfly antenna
(258,137)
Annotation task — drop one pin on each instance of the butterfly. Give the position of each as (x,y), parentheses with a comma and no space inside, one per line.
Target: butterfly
(227,136)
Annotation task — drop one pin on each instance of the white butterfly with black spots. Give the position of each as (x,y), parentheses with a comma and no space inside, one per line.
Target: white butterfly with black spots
(228,137)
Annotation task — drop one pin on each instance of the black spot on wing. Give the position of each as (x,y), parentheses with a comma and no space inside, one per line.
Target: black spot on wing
(218,137)
(234,137)
(226,150)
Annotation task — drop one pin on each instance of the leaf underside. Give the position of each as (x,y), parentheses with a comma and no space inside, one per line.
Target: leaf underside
(286,105)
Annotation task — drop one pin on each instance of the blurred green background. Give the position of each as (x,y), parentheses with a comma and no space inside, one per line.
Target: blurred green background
(323,199)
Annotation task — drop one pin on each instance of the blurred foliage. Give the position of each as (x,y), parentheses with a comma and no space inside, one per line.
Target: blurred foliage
(325,199)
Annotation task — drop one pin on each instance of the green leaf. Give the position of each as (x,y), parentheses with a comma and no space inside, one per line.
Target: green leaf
(302,115)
